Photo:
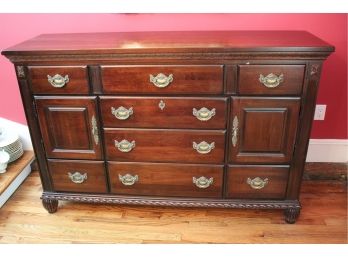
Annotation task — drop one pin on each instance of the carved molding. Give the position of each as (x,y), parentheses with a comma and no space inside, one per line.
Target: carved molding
(315,69)
(20,71)
(172,201)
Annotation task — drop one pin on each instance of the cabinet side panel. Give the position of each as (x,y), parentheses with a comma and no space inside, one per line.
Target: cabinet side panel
(34,129)
(309,96)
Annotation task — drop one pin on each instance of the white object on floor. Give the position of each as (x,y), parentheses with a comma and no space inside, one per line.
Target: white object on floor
(4,159)
(21,130)
(10,143)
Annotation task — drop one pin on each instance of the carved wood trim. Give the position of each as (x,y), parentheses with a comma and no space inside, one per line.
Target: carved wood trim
(20,71)
(175,202)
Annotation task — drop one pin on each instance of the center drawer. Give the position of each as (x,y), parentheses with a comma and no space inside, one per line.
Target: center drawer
(165,145)
(166,179)
(162,79)
(164,112)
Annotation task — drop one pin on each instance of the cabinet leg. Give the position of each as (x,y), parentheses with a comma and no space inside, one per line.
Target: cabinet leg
(50,205)
(291,215)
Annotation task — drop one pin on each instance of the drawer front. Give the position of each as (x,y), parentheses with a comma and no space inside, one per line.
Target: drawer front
(257,182)
(78,176)
(164,112)
(271,79)
(159,145)
(59,79)
(163,79)
(159,179)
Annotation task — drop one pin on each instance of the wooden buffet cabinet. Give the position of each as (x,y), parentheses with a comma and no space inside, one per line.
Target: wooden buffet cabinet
(191,119)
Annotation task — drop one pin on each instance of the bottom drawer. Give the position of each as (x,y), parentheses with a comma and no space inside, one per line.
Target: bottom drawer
(164,179)
(257,182)
(78,176)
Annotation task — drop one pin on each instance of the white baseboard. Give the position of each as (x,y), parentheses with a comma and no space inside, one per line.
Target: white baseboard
(22,131)
(328,150)
(320,150)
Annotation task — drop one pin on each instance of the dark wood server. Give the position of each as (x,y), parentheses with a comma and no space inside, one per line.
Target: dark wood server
(191,119)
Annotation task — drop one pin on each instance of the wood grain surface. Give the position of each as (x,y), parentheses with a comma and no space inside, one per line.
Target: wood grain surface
(13,170)
(172,41)
(176,112)
(24,220)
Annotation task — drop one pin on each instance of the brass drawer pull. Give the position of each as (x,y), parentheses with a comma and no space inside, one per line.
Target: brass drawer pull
(235,125)
(161,80)
(95,132)
(128,179)
(257,183)
(203,114)
(121,112)
(77,177)
(58,80)
(271,80)
(203,147)
(202,182)
(125,146)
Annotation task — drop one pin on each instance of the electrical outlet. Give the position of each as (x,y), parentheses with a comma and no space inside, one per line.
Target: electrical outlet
(320,110)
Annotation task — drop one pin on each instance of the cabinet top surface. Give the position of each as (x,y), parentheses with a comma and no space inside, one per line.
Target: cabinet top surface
(167,42)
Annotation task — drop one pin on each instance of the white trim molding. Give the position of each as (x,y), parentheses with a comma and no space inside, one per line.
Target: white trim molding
(21,130)
(327,150)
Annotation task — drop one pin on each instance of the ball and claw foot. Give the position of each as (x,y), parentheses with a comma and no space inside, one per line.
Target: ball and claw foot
(50,205)
(291,215)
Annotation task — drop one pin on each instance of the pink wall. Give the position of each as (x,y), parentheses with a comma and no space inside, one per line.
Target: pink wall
(330,27)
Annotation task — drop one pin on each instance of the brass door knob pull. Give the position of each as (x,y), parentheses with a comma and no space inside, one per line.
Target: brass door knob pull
(128,179)
(58,80)
(257,183)
(235,125)
(95,131)
(161,80)
(271,80)
(202,182)
(203,114)
(125,146)
(121,112)
(77,177)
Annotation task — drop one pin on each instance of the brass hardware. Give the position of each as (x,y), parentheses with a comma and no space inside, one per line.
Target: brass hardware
(271,80)
(125,146)
(122,113)
(162,105)
(77,177)
(202,182)
(58,80)
(128,179)
(161,80)
(95,132)
(257,183)
(203,147)
(203,114)
(235,125)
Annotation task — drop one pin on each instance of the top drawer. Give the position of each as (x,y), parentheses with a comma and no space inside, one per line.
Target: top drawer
(163,79)
(59,79)
(271,79)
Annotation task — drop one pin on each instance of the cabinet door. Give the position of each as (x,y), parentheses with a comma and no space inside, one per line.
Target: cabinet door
(69,127)
(263,129)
